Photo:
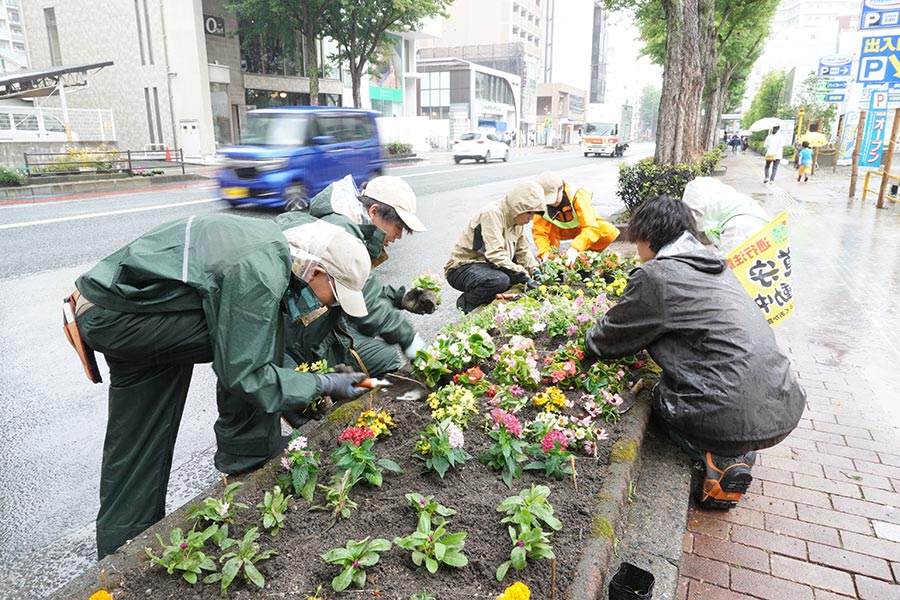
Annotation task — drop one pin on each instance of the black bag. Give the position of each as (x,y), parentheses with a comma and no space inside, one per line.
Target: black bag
(631,583)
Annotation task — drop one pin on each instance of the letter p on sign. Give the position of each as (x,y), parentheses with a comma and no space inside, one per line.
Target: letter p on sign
(879,100)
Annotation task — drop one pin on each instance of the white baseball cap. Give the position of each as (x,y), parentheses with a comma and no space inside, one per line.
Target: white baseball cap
(342,255)
(396,193)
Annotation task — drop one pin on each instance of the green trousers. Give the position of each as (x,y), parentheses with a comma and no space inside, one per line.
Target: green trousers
(151,358)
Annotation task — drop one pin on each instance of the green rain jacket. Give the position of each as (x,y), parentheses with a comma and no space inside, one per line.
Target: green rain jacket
(310,342)
(233,268)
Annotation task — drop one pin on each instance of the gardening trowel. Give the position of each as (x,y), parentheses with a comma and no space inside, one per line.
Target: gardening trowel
(416,393)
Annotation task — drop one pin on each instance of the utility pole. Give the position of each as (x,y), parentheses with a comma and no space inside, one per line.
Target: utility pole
(548,41)
(854,170)
(840,139)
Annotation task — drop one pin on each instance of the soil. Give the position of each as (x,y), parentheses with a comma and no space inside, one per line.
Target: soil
(473,491)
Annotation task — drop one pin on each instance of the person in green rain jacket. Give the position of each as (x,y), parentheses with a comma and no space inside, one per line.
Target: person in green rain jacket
(378,216)
(205,289)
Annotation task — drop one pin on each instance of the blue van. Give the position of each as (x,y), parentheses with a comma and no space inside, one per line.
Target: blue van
(289,154)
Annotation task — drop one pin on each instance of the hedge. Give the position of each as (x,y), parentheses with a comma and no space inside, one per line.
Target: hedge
(645,179)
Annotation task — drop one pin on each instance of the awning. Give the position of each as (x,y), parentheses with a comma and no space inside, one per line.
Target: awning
(43,82)
(498,125)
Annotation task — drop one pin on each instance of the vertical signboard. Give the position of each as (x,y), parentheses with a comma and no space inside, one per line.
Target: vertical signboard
(879,14)
(848,138)
(873,136)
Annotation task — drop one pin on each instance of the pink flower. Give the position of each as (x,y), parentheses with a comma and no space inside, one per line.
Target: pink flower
(552,439)
(507,420)
(517,390)
(579,301)
(601,434)
(583,318)
(557,376)
(297,444)
(183,545)
(572,330)
(456,436)
(285,462)
(589,447)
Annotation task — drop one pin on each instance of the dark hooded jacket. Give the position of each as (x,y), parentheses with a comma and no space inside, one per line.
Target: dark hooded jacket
(724,377)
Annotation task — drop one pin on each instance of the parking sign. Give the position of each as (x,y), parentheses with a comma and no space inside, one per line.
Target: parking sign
(834,66)
(879,60)
(879,14)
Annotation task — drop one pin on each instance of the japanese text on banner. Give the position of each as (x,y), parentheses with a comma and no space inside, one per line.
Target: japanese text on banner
(763,265)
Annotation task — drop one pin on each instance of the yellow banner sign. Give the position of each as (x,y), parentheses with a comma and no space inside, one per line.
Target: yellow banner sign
(763,265)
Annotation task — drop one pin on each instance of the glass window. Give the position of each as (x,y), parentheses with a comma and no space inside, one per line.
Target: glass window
(361,127)
(51,123)
(468,137)
(52,37)
(25,122)
(444,99)
(15,29)
(445,79)
(272,129)
(4,121)
(14,16)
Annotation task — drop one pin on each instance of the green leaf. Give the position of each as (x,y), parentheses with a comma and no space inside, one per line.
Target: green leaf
(214,577)
(417,558)
(517,557)
(229,572)
(190,577)
(379,545)
(439,551)
(455,559)
(254,575)
(374,478)
(431,565)
(454,539)
(337,555)
(343,580)
(502,569)
(390,465)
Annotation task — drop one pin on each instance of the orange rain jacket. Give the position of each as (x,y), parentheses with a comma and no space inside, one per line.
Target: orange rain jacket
(587,231)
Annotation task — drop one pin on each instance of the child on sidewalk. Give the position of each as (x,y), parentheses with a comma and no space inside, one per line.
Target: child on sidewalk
(726,388)
(806,161)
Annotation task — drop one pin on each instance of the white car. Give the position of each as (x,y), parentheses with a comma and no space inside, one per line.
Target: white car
(479,146)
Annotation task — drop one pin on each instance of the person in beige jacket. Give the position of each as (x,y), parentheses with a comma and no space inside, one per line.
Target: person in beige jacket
(493,253)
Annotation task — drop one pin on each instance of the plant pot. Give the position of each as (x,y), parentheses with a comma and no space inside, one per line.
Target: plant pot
(631,583)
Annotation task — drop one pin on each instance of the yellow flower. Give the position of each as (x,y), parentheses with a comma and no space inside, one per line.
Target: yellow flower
(517,591)
(590,284)
(426,448)
(543,289)
(101,595)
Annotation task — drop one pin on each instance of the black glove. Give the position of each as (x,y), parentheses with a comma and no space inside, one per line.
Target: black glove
(419,301)
(339,386)
(531,284)
(516,276)
(342,368)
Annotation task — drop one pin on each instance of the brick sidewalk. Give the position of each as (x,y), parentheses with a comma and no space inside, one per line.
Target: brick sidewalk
(820,521)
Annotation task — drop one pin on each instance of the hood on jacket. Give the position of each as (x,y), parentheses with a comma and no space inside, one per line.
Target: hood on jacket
(525,197)
(688,250)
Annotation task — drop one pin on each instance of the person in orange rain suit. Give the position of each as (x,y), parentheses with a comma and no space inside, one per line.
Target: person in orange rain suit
(569,218)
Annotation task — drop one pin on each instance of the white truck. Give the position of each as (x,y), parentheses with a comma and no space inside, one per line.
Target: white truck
(607,129)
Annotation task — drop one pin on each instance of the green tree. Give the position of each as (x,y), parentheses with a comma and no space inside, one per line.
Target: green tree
(649,109)
(283,20)
(769,101)
(360,29)
(815,109)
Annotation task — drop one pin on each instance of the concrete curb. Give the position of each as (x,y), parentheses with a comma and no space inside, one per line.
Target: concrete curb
(40,191)
(590,578)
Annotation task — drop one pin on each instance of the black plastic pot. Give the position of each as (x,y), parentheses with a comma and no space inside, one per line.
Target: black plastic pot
(631,583)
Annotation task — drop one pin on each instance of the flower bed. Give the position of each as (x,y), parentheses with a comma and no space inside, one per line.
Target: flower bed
(489,479)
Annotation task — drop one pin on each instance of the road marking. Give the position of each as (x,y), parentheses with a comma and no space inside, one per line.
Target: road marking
(483,167)
(43,199)
(107,213)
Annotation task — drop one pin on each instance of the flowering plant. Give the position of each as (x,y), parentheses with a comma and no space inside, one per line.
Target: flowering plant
(603,405)
(430,282)
(510,398)
(241,561)
(517,363)
(427,507)
(551,455)
(337,496)
(213,510)
(319,367)
(603,376)
(522,317)
(473,379)
(355,455)
(380,423)
(528,512)
(551,399)
(303,468)
(454,352)
(441,446)
(580,433)
(354,557)
(184,553)
(508,450)
(517,591)
(453,402)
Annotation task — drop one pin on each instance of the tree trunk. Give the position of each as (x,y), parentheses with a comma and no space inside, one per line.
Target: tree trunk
(715,100)
(688,23)
(311,52)
(356,80)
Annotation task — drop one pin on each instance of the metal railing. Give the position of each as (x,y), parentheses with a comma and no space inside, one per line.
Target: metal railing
(130,162)
(893,188)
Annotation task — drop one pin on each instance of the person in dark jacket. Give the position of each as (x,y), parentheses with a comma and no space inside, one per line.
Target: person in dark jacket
(726,389)
(206,289)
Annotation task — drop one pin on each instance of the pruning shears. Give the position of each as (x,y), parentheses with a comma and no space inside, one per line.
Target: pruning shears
(373,383)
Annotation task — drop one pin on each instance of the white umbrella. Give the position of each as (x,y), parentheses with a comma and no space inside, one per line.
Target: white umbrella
(767,123)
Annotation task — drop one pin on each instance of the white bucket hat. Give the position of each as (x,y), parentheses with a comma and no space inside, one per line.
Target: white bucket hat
(396,193)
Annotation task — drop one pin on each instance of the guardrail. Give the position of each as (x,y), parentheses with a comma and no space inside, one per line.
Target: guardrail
(75,162)
(894,188)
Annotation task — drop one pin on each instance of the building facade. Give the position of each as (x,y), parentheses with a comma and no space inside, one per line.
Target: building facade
(13,45)
(561,110)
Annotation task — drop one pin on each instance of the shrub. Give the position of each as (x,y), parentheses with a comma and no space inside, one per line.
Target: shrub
(11,177)
(644,179)
(398,148)
(787,152)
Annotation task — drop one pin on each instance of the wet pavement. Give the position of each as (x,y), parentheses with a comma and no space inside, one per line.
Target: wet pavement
(821,520)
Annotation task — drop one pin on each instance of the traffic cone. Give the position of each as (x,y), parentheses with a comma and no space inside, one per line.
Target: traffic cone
(168,154)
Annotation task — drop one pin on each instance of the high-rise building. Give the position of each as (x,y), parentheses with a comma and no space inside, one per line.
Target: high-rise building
(599,38)
(13,48)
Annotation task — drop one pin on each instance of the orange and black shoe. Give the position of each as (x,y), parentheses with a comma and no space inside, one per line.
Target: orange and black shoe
(725,479)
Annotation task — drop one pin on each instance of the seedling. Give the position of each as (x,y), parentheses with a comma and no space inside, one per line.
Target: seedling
(530,508)
(427,507)
(274,505)
(360,460)
(213,510)
(242,561)
(354,557)
(184,553)
(434,547)
(529,543)
(337,496)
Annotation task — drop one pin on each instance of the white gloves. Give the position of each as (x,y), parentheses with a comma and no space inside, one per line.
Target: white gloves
(417,344)
(571,255)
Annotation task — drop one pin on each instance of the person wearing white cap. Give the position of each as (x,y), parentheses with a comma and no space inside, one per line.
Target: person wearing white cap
(492,254)
(378,216)
(205,289)
(569,217)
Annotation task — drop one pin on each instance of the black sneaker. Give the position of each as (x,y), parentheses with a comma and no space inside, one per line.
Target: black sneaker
(724,480)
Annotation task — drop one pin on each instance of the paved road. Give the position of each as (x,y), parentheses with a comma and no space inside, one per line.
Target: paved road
(53,421)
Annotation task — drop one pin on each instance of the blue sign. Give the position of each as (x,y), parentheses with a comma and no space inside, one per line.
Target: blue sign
(848,138)
(879,60)
(835,85)
(879,14)
(834,98)
(873,134)
(834,66)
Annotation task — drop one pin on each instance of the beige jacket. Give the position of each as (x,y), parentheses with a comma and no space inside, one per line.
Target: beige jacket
(492,236)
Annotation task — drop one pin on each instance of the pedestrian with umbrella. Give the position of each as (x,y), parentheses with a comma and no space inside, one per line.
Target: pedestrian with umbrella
(774,148)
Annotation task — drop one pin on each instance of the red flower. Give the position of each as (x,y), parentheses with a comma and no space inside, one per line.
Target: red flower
(357,435)
(492,390)
(638,364)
